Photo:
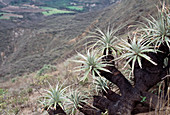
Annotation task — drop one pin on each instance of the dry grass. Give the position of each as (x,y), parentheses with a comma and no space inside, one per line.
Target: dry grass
(64,73)
(163,106)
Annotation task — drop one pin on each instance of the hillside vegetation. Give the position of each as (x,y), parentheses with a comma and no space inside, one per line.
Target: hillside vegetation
(38,52)
(28,47)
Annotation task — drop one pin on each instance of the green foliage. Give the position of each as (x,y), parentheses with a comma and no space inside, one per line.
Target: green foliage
(3,104)
(135,51)
(104,39)
(45,69)
(143,99)
(54,96)
(8,16)
(19,100)
(16,110)
(14,100)
(29,90)
(2,13)
(13,80)
(101,84)
(158,30)
(43,79)
(74,101)
(77,8)
(3,18)
(52,11)
(2,91)
(90,64)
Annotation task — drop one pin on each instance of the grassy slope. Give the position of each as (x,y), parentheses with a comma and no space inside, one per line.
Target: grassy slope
(45,43)
(53,39)
(122,15)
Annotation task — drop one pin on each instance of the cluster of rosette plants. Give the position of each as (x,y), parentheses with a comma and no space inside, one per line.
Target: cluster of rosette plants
(145,52)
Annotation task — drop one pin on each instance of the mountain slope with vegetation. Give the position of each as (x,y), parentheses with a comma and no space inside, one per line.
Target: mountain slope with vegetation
(35,55)
(28,47)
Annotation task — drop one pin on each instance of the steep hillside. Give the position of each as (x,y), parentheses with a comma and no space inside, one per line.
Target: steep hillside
(26,48)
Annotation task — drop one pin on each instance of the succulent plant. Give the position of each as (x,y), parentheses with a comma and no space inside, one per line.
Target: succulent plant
(104,40)
(158,30)
(54,96)
(75,98)
(90,64)
(135,50)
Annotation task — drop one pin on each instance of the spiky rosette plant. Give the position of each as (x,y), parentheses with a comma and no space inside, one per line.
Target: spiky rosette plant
(140,52)
(54,97)
(101,84)
(135,50)
(158,30)
(73,103)
(91,64)
(104,40)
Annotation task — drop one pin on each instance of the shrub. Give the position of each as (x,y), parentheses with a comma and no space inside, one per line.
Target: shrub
(45,69)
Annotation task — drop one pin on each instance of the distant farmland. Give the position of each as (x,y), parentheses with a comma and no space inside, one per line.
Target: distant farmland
(51,11)
(7,16)
(22,9)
